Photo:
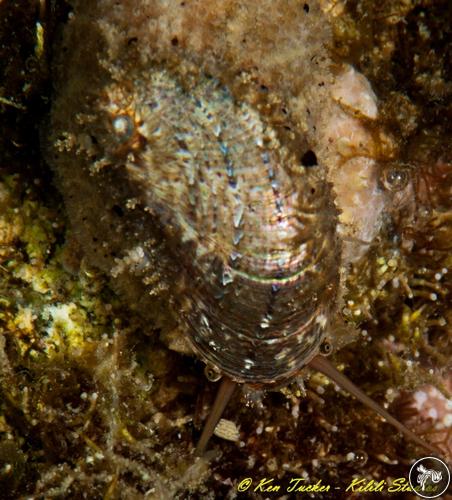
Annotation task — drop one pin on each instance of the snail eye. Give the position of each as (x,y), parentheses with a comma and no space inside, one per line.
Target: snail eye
(212,373)
(123,127)
(326,348)
(395,177)
(309,159)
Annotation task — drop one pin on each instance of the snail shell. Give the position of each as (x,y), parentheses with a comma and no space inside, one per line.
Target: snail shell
(252,230)
(211,189)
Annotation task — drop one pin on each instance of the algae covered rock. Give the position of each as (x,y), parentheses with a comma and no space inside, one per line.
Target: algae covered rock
(93,404)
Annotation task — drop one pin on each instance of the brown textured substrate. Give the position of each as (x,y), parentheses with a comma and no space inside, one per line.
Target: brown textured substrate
(90,407)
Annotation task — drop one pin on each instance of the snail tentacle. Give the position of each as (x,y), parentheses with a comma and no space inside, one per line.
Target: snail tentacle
(322,365)
(224,394)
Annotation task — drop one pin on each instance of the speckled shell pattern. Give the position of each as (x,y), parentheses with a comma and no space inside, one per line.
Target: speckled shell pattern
(251,231)
(251,227)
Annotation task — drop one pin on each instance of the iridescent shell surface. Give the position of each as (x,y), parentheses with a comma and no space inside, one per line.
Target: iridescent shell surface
(215,196)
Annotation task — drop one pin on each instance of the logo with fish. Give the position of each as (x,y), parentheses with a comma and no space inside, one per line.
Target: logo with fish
(429,477)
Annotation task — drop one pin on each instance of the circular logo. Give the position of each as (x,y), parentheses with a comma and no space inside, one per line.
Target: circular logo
(429,477)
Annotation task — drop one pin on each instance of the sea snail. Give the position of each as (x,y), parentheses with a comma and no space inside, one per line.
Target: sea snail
(184,172)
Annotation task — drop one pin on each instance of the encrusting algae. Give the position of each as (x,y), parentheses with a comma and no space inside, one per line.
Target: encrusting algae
(94,403)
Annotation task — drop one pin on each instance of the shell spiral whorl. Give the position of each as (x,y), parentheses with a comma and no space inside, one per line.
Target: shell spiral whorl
(250,252)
